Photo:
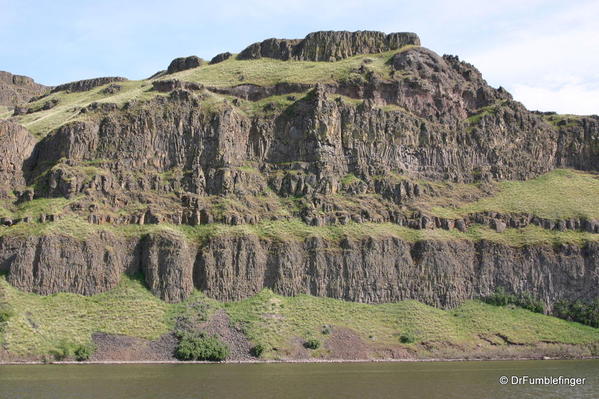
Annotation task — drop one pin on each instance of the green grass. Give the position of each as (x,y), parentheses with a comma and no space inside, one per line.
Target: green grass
(41,322)
(270,105)
(36,207)
(274,321)
(268,71)
(265,72)
(350,179)
(556,120)
(5,112)
(69,104)
(560,194)
(481,112)
(295,229)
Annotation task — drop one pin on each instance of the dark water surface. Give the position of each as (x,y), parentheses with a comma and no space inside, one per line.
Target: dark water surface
(428,380)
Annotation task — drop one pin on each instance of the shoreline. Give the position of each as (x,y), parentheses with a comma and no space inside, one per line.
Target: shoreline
(290,361)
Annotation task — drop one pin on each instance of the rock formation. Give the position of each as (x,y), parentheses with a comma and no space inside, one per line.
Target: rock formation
(87,84)
(366,147)
(369,269)
(329,46)
(18,89)
(183,63)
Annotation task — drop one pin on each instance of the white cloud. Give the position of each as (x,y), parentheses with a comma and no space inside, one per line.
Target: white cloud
(550,62)
(567,99)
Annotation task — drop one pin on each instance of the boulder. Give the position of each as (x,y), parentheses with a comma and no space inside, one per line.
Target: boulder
(184,63)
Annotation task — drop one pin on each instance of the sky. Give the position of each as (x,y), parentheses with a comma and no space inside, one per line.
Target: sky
(545,52)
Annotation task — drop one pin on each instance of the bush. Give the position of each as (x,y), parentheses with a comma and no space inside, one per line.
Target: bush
(312,344)
(525,300)
(257,350)
(407,338)
(581,312)
(199,346)
(63,350)
(5,313)
(326,329)
(83,352)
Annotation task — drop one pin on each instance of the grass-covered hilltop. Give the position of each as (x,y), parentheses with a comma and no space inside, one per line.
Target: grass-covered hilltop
(343,196)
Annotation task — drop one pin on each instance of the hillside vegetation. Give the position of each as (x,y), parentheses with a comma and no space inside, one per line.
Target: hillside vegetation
(41,323)
(560,194)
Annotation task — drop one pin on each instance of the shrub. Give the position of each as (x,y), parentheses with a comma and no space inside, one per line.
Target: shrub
(5,313)
(525,300)
(63,350)
(581,312)
(326,329)
(199,346)
(83,352)
(257,350)
(407,338)
(312,344)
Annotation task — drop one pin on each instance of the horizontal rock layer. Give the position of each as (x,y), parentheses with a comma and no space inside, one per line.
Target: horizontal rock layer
(372,270)
(329,45)
(87,84)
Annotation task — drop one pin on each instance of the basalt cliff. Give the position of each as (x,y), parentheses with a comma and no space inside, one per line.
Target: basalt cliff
(343,165)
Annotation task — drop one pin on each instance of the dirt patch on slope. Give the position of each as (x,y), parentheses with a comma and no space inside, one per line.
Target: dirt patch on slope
(346,344)
(220,325)
(122,347)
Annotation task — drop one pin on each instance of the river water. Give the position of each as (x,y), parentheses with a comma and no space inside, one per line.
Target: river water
(425,380)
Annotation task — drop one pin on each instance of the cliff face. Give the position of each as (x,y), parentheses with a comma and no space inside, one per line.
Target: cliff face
(16,146)
(17,89)
(86,84)
(372,270)
(329,46)
(367,147)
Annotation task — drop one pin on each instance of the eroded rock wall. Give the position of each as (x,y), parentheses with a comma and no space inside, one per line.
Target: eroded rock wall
(370,270)
(329,45)
(18,89)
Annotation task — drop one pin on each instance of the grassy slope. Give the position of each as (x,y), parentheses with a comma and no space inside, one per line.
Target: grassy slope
(41,322)
(274,320)
(69,104)
(268,72)
(559,194)
(231,72)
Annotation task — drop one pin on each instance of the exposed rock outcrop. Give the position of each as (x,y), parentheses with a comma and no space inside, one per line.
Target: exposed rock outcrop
(184,63)
(16,146)
(329,45)
(366,146)
(372,270)
(220,58)
(53,263)
(307,150)
(168,85)
(18,89)
(87,84)
(167,263)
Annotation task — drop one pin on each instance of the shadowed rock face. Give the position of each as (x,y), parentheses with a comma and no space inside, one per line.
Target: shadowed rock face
(220,58)
(372,270)
(329,45)
(50,264)
(16,146)
(167,264)
(184,63)
(18,89)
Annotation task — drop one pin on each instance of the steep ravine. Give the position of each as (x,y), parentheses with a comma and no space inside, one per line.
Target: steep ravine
(369,269)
